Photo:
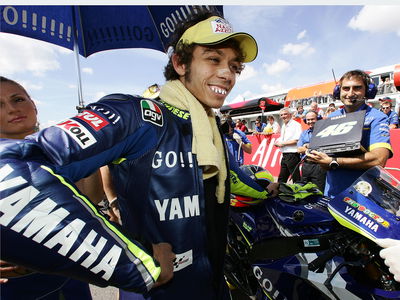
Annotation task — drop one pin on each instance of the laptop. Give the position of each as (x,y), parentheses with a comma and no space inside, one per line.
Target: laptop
(339,135)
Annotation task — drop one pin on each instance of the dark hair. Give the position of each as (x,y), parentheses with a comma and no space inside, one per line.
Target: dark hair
(357,73)
(185,52)
(7,80)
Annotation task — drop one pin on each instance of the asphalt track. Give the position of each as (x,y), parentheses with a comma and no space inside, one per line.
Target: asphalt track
(111,293)
(108,293)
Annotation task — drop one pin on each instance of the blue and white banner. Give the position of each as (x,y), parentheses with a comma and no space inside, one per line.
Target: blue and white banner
(98,28)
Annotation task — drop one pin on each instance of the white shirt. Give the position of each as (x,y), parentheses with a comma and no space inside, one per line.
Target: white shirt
(290,131)
(274,128)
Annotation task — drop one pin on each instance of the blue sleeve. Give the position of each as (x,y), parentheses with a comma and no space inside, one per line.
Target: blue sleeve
(394,118)
(380,132)
(48,226)
(112,128)
(263,127)
(301,140)
(244,137)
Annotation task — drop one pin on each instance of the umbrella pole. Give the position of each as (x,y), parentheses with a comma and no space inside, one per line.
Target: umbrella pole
(78,70)
(81,105)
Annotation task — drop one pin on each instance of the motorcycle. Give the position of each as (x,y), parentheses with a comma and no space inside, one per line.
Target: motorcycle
(317,248)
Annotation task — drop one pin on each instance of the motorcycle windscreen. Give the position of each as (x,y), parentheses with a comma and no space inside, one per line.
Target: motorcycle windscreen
(370,206)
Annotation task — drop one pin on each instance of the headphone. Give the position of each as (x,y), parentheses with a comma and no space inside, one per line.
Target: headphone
(371,88)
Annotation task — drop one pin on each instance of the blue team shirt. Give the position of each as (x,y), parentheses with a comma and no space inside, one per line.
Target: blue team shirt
(376,134)
(305,137)
(233,146)
(260,129)
(393,118)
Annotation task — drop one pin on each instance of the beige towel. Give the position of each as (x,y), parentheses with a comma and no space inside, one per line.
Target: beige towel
(207,141)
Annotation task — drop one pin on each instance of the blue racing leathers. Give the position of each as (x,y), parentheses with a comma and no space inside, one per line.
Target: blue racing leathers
(48,226)
(160,187)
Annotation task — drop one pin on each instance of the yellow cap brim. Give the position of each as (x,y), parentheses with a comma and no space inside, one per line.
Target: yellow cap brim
(247,44)
(203,33)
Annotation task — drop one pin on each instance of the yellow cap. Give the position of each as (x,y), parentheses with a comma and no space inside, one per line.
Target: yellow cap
(216,30)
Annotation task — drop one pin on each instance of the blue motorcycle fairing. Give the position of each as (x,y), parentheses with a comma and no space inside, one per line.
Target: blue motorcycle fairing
(278,235)
(359,207)
(277,218)
(304,284)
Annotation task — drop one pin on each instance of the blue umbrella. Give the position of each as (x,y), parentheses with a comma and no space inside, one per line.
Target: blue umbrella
(91,29)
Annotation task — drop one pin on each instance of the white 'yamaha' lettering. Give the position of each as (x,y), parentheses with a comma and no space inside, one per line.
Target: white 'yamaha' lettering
(361,218)
(172,208)
(41,222)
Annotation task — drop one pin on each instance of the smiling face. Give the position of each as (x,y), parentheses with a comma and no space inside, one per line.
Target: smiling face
(311,119)
(285,116)
(386,108)
(352,93)
(17,112)
(211,74)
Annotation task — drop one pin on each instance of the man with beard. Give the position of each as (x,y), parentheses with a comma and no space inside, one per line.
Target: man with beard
(353,89)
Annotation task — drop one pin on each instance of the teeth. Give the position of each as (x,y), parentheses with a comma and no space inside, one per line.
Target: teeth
(218,90)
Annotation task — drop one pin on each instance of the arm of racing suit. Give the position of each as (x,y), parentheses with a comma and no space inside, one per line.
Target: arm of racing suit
(48,226)
(110,129)
(242,184)
(43,212)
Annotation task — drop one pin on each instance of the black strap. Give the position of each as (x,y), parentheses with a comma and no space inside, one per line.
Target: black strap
(285,246)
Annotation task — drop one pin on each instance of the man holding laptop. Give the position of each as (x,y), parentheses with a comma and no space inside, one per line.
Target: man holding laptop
(353,89)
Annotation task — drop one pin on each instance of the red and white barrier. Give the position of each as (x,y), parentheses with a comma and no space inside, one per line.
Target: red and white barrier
(266,155)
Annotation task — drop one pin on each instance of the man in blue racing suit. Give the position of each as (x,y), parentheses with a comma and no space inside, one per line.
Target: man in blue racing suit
(354,88)
(170,166)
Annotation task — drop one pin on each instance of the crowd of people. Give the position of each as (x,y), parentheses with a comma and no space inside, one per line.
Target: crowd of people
(168,178)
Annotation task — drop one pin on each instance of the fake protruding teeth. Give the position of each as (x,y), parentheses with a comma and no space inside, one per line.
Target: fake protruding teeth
(218,90)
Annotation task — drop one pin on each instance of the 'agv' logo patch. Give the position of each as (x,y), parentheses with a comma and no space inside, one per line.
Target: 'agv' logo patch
(151,112)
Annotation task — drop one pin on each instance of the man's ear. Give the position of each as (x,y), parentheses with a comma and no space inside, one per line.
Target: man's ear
(178,66)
